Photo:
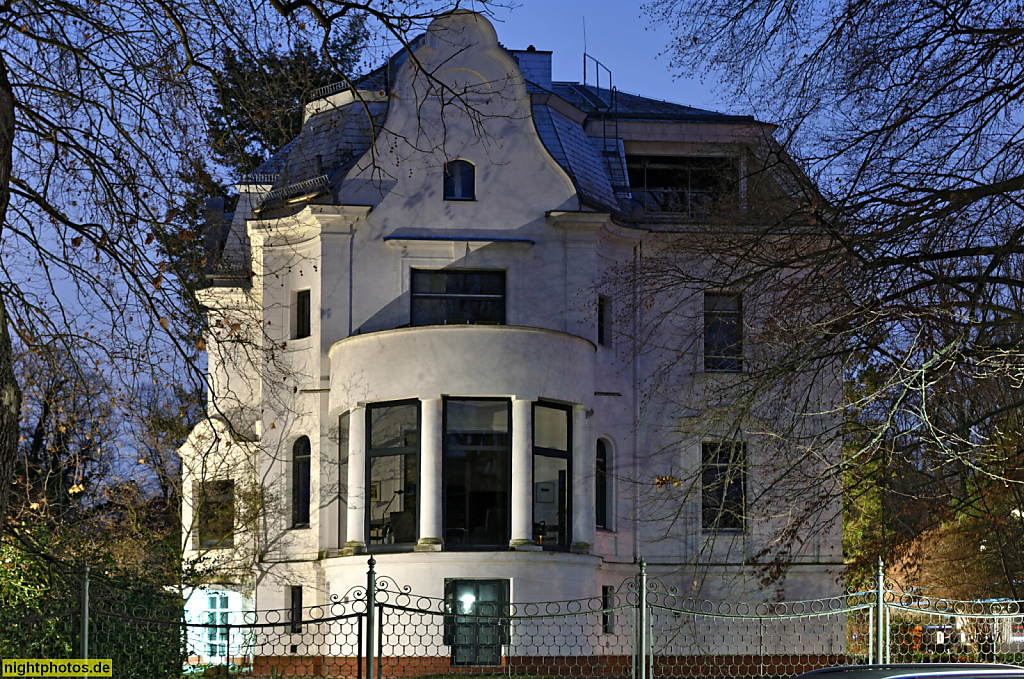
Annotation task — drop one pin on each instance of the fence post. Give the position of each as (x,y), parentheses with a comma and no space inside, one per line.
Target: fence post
(642,628)
(371,595)
(880,631)
(83,630)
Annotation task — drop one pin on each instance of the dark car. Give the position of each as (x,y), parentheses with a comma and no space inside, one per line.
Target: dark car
(919,671)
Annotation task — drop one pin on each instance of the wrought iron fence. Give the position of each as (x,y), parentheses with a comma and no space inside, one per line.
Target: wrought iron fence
(643,629)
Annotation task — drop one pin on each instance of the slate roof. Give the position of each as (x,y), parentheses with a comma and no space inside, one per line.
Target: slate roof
(597,101)
(331,141)
(575,152)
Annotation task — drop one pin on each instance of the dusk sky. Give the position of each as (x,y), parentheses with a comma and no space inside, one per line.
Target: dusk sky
(619,35)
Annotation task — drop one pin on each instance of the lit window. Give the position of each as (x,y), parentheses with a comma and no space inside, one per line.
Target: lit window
(601,482)
(458,297)
(724,487)
(215,526)
(302,314)
(723,332)
(300,482)
(459,180)
(552,474)
(477,473)
(392,474)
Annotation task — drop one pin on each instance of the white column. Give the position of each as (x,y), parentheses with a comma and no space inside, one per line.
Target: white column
(356,543)
(584,451)
(430,476)
(522,475)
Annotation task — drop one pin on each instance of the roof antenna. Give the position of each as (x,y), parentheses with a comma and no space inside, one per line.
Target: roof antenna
(584,49)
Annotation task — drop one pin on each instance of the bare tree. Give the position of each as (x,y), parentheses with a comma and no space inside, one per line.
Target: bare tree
(103,111)
(907,116)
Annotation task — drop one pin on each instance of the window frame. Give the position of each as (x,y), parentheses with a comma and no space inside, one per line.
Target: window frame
(295,609)
(729,357)
(715,503)
(302,305)
(693,200)
(446,474)
(202,493)
(605,321)
(302,472)
(538,451)
(415,295)
(602,485)
(400,451)
(457,182)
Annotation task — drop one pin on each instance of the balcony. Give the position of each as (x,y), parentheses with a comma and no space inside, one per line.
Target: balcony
(464,360)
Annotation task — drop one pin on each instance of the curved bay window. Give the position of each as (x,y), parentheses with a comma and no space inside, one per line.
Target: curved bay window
(300,482)
(552,471)
(477,473)
(392,475)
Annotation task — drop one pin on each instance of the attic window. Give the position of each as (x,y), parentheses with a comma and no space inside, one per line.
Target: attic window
(690,186)
(459,180)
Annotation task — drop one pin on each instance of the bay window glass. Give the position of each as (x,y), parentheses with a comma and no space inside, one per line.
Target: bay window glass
(392,475)
(552,470)
(477,473)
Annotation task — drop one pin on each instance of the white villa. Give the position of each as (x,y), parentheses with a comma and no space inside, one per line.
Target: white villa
(424,347)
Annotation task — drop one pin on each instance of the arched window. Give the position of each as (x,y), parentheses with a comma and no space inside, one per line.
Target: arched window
(300,482)
(459,180)
(601,479)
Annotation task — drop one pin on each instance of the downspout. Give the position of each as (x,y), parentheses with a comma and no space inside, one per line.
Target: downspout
(636,402)
(351,259)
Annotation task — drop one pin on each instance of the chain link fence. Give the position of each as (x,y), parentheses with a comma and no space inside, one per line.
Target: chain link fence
(642,629)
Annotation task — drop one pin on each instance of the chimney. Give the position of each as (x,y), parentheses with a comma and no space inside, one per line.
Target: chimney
(535,65)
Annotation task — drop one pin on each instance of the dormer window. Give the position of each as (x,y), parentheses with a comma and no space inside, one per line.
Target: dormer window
(689,186)
(459,180)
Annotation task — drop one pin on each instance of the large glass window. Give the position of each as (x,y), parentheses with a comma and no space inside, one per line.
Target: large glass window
(392,474)
(724,486)
(476,624)
(723,332)
(300,482)
(215,525)
(477,475)
(552,471)
(458,297)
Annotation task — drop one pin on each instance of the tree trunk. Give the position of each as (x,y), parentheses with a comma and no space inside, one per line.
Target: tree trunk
(10,393)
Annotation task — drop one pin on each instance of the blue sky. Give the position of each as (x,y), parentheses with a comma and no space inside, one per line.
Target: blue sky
(619,35)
